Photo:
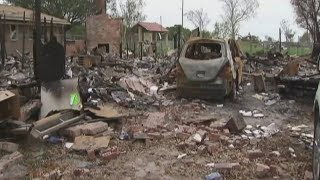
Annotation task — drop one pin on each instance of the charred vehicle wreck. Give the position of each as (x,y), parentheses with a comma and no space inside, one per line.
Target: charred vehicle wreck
(209,69)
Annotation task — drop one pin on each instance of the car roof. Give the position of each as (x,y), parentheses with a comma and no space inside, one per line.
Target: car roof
(197,39)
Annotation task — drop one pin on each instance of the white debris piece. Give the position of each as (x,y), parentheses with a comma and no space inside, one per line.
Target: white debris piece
(256,133)
(249,127)
(271,130)
(210,165)
(68,145)
(276,153)
(182,156)
(197,137)
(270,102)
(258,96)
(259,115)
(231,146)
(291,150)
(220,106)
(246,114)
(248,84)
(248,132)
(154,90)
(310,136)
(244,136)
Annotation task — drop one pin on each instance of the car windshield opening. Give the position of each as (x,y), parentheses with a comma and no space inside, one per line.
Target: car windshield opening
(204,51)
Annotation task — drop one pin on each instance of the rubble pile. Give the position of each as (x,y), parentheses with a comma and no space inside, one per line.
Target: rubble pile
(105,105)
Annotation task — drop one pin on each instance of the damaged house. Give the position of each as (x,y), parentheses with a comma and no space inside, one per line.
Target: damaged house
(150,34)
(15,27)
(103,31)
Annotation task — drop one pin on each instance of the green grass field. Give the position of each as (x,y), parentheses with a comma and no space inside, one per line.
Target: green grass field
(254,48)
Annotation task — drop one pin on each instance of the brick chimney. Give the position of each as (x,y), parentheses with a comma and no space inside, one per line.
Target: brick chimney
(101,6)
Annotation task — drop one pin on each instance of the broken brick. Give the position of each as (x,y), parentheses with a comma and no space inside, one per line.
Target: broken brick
(9,147)
(168,135)
(262,170)
(155,135)
(214,137)
(308,175)
(110,154)
(255,154)
(213,147)
(236,123)
(86,129)
(226,166)
(91,155)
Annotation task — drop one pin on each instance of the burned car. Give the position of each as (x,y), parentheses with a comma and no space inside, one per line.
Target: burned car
(209,69)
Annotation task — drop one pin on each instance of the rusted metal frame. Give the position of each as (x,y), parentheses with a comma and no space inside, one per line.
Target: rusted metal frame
(23,39)
(1,35)
(51,29)
(38,37)
(45,30)
(3,41)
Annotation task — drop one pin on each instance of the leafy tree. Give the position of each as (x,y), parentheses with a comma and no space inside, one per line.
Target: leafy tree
(173,30)
(221,30)
(74,11)
(305,38)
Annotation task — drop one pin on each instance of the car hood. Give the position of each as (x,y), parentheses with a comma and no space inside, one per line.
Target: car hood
(202,70)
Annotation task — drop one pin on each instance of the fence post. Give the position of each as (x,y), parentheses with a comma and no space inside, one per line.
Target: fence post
(134,50)
(141,51)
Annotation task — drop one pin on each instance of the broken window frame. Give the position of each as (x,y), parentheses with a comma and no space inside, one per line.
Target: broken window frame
(16,31)
(204,46)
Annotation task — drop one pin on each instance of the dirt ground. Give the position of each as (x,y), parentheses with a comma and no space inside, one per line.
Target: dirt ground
(157,158)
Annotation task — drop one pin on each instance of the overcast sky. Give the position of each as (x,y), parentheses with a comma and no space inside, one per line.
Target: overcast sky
(267,21)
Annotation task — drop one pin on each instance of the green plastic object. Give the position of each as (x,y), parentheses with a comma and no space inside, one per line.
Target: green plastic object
(75,99)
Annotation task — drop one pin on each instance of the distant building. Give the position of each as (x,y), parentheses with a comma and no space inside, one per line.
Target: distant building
(15,27)
(149,34)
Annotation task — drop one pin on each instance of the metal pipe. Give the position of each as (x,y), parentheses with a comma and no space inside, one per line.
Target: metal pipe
(23,39)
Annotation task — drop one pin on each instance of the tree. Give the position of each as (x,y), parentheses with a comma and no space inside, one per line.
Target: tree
(287,30)
(221,30)
(74,11)
(237,11)
(268,38)
(132,12)
(308,12)
(199,19)
(305,38)
(173,30)
(307,16)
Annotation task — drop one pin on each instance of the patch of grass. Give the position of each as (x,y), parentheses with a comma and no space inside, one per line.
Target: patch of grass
(256,48)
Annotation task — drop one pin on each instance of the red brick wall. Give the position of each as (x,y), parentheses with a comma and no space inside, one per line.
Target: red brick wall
(75,48)
(101,29)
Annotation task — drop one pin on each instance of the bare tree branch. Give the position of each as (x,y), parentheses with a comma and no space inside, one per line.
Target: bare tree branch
(198,18)
(237,11)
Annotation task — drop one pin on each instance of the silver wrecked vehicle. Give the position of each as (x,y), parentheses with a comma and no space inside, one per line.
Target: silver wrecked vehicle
(209,69)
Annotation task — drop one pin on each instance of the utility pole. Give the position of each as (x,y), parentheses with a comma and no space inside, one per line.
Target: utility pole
(182,13)
(280,42)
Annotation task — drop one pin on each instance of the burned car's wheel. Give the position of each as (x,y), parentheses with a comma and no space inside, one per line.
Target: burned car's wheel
(316,146)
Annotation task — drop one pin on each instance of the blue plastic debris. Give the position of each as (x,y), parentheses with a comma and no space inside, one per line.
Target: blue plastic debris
(55,140)
(214,176)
